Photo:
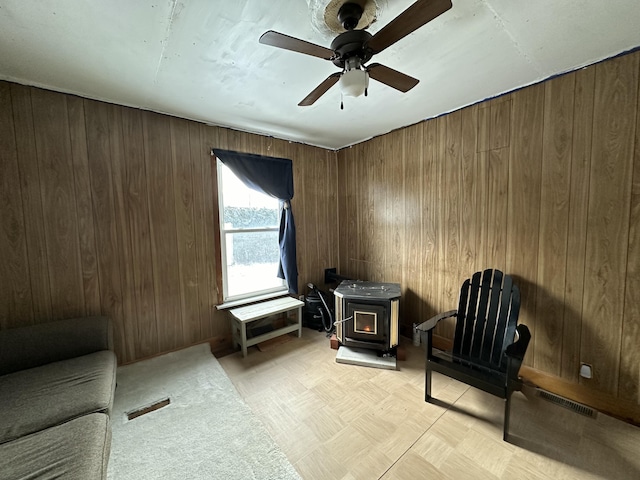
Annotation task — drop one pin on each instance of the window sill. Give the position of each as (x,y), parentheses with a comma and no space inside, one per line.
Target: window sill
(248,300)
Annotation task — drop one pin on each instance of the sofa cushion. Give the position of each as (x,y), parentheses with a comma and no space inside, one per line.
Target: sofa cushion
(78,449)
(35,345)
(41,397)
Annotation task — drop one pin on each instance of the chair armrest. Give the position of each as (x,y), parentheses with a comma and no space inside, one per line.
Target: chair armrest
(433,321)
(518,348)
(36,345)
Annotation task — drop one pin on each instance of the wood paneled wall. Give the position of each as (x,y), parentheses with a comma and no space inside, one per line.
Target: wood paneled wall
(110,210)
(543,183)
(107,209)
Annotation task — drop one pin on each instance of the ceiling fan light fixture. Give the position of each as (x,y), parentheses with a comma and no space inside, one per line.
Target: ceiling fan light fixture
(354,81)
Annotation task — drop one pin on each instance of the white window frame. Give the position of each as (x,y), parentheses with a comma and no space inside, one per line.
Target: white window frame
(273,291)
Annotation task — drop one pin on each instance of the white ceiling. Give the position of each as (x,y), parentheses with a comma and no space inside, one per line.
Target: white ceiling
(201,60)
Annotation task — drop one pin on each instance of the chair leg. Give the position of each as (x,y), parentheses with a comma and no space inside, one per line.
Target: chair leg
(427,382)
(507,411)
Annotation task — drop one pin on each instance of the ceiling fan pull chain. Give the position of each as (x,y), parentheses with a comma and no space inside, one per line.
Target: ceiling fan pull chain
(341,102)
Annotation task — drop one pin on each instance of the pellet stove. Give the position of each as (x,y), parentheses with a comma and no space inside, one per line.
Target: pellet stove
(367,315)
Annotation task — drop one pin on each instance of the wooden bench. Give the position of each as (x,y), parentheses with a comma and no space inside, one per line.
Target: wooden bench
(241,316)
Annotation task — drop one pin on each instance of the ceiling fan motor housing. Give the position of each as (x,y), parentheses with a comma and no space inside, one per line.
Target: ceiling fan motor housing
(349,44)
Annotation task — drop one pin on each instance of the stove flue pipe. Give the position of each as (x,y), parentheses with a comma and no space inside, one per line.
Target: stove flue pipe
(330,276)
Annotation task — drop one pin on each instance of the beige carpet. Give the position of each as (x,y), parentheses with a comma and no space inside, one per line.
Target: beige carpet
(207,431)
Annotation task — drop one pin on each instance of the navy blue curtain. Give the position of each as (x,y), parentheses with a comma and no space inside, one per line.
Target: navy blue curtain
(272,176)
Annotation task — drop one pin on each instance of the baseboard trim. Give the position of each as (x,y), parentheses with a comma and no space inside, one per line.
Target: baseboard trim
(220,346)
(603,402)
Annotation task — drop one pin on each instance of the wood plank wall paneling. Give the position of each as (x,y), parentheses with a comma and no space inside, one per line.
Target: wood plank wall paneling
(112,210)
(164,242)
(348,214)
(469,248)
(299,213)
(430,245)
(32,201)
(577,222)
(86,228)
(608,217)
(125,258)
(523,220)
(136,231)
(203,210)
(55,162)
(330,201)
(15,288)
(412,163)
(542,183)
(628,388)
(554,219)
(497,193)
(395,214)
(107,241)
(313,189)
(184,208)
(449,133)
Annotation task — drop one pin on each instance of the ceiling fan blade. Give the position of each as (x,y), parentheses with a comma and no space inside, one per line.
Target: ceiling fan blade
(391,77)
(418,14)
(320,90)
(281,40)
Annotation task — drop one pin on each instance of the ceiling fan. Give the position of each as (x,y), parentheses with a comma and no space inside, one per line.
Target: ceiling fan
(353,48)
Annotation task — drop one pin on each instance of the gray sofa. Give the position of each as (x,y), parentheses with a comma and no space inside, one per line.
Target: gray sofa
(57,383)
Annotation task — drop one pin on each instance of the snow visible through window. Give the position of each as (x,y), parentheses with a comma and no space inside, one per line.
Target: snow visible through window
(249,238)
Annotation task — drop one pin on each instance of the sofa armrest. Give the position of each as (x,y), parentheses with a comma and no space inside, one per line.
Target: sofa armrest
(35,345)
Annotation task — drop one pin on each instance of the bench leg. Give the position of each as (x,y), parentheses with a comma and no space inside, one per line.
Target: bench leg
(299,322)
(243,338)
(235,333)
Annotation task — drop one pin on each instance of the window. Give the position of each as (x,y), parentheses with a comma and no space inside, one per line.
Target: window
(249,226)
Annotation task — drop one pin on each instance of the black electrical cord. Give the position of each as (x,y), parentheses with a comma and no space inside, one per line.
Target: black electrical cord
(328,326)
(324,322)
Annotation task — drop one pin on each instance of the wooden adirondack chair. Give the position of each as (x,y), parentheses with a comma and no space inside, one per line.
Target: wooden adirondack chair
(484,354)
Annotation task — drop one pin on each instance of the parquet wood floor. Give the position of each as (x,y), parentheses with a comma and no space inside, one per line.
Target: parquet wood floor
(336,421)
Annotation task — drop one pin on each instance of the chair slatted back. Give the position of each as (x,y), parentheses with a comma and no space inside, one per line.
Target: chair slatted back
(487,316)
